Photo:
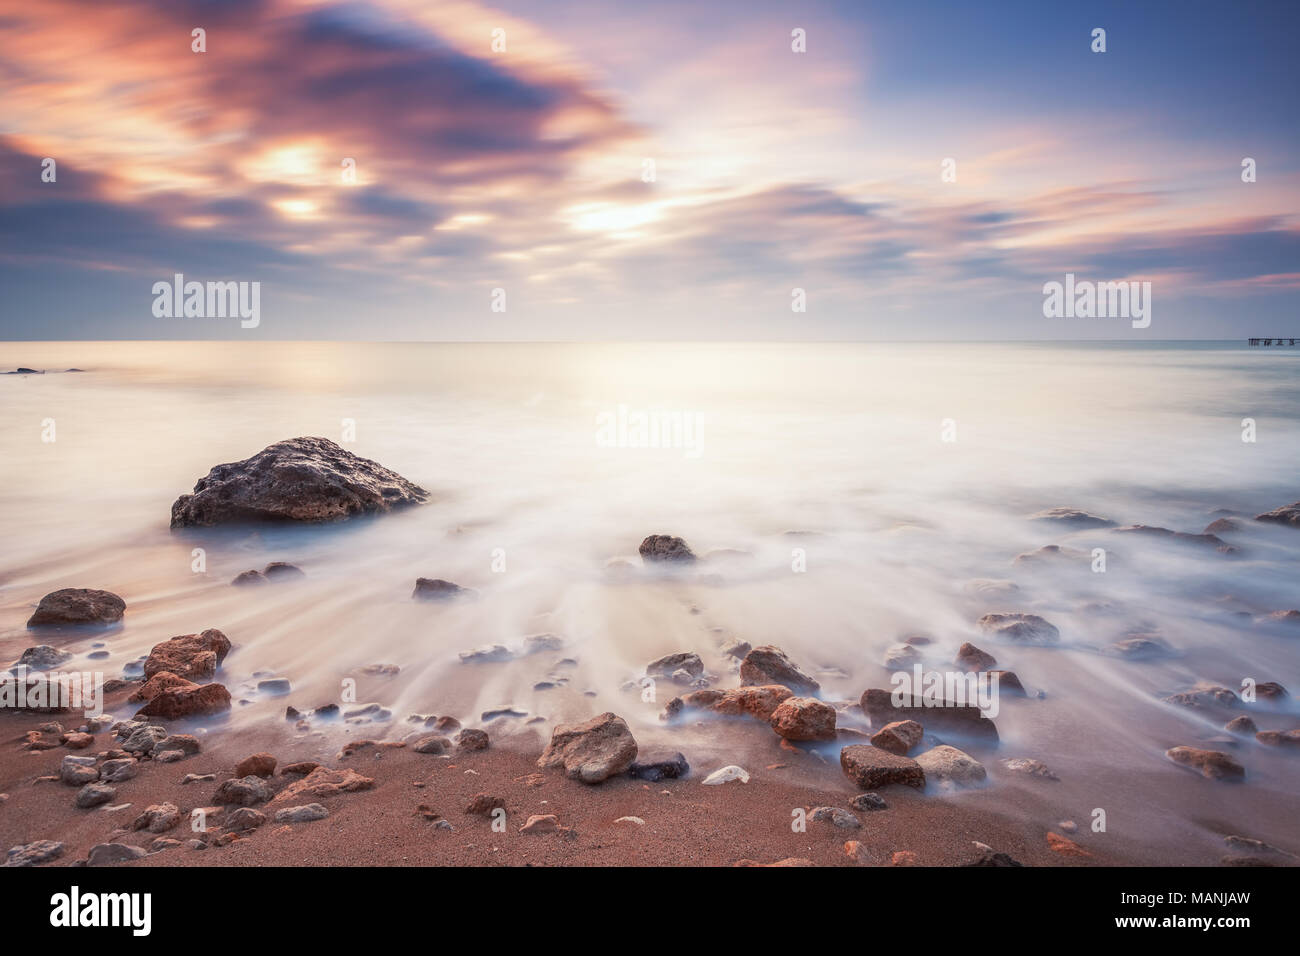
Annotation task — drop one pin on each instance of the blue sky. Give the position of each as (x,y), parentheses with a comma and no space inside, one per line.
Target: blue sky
(481,169)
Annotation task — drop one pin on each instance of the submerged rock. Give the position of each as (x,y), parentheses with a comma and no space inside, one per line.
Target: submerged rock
(758,702)
(952,716)
(1286,515)
(42,657)
(1020,627)
(971,658)
(664,667)
(1073,518)
(301,479)
(592,751)
(952,767)
(436,589)
(1213,764)
(1030,767)
(193,701)
(1206,540)
(71,607)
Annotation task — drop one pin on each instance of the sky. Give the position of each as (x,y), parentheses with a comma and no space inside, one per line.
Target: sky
(582,170)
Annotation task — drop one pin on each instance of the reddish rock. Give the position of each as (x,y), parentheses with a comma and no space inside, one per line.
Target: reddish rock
(898,737)
(541,823)
(1285,515)
(484,803)
(770,665)
(322,782)
(1279,738)
(1066,847)
(300,769)
(871,768)
(258,765)
(1213,764)
(161,681)
(902,858)
(758,702)
(194,701)
(192,656)
(1020,627)
(971,658)
(804,718)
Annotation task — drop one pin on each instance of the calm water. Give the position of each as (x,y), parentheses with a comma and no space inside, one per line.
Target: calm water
(846,441)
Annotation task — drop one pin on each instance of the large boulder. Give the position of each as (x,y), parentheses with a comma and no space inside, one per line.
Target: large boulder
(593,751)
(191,656)
(871,768)
(770,665)
(69,607)
(301,479)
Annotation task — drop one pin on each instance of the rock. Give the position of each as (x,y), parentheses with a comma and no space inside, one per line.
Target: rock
(1065,846)
(660,766)
(989,857)
(1050,555)
(161,681)
(1030,767)
(1243,844)
(1285,617)
(971,658)
(665,666)
(118,770)
(637,820)
(1204,540)
(1213,764)
(789,861)
(1072,518)
(759,702)
(306,813)
(78,771)
(323,782)
(1019,627)
(804,718)
(965,719)
(436,589)
(488,654)
(283,571)
(949,766)
(835,815)
(243,791)
(726,775)
(94,795)
(198,778)
(246,579)
(1241,725)
(856,852)
(195,701)
(541,823)
(900,656)
(902,858)
(258,765)
(34,854)
(431,744)
(736,649)
(77,741)
(898,737)
(106,854)
(871,768)
(274,686)
(484,803)
(663,547)
(301,479)
(1141,648)
(769,665)
(71,607)
(192,656)
(1270,690)
(1286,515)
(158,818)
(43,657)
(244,819)
(868,802)
(301,768)
(1205,695)
(162,843)
(1222,526)
(592,751)
(471,740)
(1279,738)
(187,744)
(1008,681)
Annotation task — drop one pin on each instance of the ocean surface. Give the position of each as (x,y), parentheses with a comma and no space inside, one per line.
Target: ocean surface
(850,494)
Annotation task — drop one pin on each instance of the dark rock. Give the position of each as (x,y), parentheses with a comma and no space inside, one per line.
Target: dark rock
(660,766)
(1205,540)
(950,716)
(1073,518)
(665,666)
(971,658)
(1020,627)
(106,854)
(869,802)
(282,571)
(664,547)
(43,657)
(34,854)
(71,607)
(1286,515)
(1213,764)
(244,792)
(436,589)
(471,739)
(301,479)
(249,579)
